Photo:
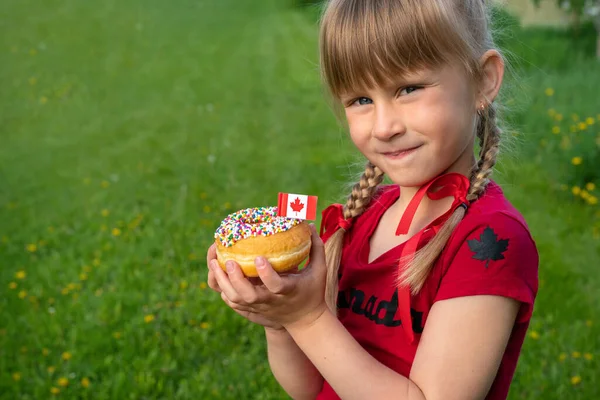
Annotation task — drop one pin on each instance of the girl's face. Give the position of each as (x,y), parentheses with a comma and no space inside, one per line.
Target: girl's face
(417,128)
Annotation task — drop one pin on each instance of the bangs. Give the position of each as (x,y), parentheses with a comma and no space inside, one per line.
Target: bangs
(368,43)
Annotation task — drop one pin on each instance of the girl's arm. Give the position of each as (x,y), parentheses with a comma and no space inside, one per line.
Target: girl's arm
(458,355)
(293,370)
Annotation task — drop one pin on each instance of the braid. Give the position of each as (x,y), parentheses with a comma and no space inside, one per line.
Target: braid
(489,137)
(363,191)
(416,272)
(357,202)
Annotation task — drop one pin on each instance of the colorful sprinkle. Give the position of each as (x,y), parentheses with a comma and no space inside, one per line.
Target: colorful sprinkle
(261,221)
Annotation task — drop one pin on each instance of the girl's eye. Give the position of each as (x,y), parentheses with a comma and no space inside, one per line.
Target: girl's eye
(361,101)
(409,89)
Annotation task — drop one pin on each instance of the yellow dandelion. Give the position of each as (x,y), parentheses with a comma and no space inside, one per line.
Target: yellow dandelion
(32,80)
(43,100)
(105,184)
(64,291)
(148,318)
(96,262)
(86,268)
(202,285)
(575,117)
(575,380)
(105,213)
(575,354)
(116,232)
(549,92)
(117,335)
(62,381)
(20,274)
(206,209)
(590,121)
(588,323)
(576,190)
(534,335)
(562,357)
(576,160)
(588,356)
(12,285)
(83,276)
(54,390)
(204,325)
(72,286)
(85,382)
(584,194)
(66,356)
(556,130)
(22,294)
(183,285)
(590,186)
(32,247)
(558,117)
(16,376)
(51,369)
(592,200)
(582,126)
(45,351)
(551,112)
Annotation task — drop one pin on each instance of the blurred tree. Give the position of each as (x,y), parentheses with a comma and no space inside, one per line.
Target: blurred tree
(582,9)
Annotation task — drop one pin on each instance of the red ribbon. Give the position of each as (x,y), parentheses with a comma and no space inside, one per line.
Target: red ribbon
(335,213)
(451,184)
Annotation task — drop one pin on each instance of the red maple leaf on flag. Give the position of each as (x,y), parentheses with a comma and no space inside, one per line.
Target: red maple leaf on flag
(297,206)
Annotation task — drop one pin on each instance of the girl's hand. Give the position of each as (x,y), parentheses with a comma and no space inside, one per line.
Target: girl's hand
(211,260)
(291,299)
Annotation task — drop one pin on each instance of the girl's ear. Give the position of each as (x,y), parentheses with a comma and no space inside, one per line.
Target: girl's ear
(492,66)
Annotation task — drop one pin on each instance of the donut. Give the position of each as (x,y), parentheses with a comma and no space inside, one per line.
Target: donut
(252,232)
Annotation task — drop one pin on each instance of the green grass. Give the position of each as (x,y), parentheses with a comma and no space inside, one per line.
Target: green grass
(169,116)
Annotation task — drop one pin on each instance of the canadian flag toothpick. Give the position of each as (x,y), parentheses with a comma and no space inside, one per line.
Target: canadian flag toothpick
(297,206)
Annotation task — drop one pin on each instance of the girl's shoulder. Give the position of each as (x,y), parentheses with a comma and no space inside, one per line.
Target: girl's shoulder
(491,251)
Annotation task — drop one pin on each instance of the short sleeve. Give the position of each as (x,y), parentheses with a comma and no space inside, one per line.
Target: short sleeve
(495,256)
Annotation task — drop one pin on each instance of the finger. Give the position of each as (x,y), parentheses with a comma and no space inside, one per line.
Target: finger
(270,278)
(317,249)
(235,306)
(241,284)
(224,283)
(212,281)
(211,254)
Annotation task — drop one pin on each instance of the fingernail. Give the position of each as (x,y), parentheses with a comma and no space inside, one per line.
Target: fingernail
(229,265)
(260,262)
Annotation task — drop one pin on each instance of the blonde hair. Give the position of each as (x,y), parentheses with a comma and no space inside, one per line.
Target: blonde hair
(365,42)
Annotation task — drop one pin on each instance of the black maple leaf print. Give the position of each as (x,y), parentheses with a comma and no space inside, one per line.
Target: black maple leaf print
(488,247)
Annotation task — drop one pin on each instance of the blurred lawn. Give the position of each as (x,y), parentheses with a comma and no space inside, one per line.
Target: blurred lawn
(130,129)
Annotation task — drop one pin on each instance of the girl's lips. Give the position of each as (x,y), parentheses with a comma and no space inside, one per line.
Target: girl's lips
(396,155)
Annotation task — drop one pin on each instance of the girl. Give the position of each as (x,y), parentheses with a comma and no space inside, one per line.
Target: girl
(425,288)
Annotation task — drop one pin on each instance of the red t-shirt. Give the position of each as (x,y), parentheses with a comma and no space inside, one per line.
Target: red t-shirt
(490,252)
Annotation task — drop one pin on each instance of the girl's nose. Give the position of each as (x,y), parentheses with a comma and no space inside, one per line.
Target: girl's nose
(387,122)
